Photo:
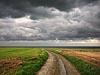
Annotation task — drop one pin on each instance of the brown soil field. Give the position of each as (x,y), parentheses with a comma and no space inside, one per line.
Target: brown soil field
(9,65)
(90,57)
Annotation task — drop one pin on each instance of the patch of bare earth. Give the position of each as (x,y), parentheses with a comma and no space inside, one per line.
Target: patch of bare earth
(57,65)
(9,65)
(91,57)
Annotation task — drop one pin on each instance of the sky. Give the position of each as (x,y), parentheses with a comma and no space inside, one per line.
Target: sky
(50,22)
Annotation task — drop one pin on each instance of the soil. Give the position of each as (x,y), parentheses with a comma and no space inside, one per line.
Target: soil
(57,65)
(9,65)
(90,57)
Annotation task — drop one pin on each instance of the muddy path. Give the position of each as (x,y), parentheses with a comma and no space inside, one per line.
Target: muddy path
(57,65)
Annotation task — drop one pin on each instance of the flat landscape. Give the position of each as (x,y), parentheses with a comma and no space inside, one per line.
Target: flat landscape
(21,61)
(91,57)
(49,61)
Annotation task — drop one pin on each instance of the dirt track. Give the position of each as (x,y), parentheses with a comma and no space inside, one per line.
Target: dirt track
(57,65)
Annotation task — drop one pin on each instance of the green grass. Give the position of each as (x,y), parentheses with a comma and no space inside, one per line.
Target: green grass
(83,67)
(33,59)
(21,53)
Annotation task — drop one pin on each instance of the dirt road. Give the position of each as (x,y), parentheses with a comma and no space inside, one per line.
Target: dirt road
(57,65)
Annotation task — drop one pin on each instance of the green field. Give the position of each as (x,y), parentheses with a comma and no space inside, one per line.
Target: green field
(32,60)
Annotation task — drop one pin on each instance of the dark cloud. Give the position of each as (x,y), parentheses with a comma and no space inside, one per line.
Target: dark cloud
(60,4)
(49,19)
(19,8)
(7,11)
(78,24)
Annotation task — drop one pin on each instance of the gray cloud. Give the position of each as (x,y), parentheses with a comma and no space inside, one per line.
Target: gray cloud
(19,8)
(8,11)
(49,23)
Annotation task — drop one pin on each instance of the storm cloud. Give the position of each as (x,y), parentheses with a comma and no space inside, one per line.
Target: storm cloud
(19,8)
(34,20)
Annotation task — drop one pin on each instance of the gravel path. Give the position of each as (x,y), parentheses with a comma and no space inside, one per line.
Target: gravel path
(57,65)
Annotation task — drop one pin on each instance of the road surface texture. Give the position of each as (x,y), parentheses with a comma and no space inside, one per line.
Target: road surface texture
(57,65)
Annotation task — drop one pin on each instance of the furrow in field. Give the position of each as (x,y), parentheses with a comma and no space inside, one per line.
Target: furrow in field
(90,57)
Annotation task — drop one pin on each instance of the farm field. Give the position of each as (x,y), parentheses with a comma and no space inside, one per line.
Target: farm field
(21,61)
(86,60)
(91,57)
(49,61)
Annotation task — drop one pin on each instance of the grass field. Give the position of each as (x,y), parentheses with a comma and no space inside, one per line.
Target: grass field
(21,61)
(86,60)
(27,61)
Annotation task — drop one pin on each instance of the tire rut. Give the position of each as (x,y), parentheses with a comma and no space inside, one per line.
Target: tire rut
(57,65)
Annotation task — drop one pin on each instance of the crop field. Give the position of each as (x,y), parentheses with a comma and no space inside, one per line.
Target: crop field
(21,61)
(86,60)
(29,61)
